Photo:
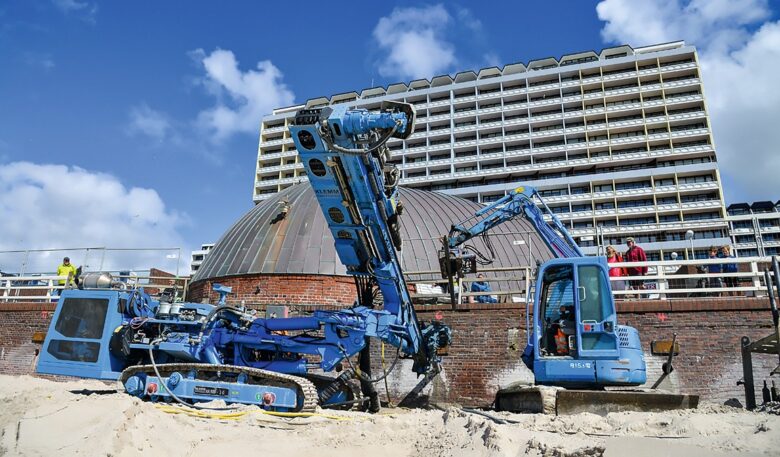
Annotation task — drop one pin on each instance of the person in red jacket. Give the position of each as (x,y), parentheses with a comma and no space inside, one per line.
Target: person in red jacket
(613,258)
(635,254)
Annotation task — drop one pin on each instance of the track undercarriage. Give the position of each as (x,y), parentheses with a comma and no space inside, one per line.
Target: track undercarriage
(197,382)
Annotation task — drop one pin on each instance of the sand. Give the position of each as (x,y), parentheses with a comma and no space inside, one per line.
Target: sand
(41,417)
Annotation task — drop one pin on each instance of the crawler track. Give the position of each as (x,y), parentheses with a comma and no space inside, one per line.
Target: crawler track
(306,388)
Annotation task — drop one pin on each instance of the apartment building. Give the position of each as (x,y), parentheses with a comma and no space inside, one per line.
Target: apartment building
(755,228)
(618,142)
(199,255)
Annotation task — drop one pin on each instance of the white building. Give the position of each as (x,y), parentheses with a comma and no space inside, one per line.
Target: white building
(199,255)
(619,143)
(755,228)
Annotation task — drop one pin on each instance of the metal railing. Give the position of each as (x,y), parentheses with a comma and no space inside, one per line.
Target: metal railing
(664,280)
(47,287)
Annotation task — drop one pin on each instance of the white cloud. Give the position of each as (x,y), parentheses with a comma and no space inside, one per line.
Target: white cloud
(85,10)
(243,98)
(42,61)
(414,43)
(147,121)
(54,206)
(739,51)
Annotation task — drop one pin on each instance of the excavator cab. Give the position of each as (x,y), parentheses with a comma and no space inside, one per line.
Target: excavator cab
(575,340)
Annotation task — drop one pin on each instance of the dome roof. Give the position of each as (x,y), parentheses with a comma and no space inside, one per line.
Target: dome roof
(264,242)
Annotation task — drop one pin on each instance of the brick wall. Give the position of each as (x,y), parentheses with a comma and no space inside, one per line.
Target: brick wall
(331,291)
(489,338)
(18,322)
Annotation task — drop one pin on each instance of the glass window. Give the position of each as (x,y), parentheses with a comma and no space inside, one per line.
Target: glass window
(558,290)
(594,294)
(82,318)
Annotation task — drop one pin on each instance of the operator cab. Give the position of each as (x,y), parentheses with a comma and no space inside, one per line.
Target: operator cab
(576,329)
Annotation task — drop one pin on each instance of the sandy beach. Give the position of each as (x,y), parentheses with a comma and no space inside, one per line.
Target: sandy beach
(44,418)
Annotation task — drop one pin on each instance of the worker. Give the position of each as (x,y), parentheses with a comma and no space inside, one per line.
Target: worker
(482,286)
(564,329)
(66,269)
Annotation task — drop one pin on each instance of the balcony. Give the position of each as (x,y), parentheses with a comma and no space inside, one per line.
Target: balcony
(692,132)
(629,139)
(625,74)
(702,204)
(514,91)
(683,99)
(593,95)
(626,123)
(634,192)
(546,133)
(679,66)
(621,91)
(275,142)
(688,187)
(682,82)
(624,107)
(636,210)
(689,115)
(445,101)
(271,130)
(648,71)
(546,101)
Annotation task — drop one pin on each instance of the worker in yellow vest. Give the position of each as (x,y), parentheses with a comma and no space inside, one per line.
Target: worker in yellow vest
(65,269)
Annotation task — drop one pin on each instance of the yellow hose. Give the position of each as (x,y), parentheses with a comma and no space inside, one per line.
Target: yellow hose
(239,414)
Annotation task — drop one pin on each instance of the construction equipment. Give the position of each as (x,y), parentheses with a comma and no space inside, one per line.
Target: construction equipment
(574,340)
(769,344)
(189,352)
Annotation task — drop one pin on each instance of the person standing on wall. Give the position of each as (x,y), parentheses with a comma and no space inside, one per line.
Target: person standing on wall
(635,254)
(714,269)
(730,281)
(66,269)
(615,271)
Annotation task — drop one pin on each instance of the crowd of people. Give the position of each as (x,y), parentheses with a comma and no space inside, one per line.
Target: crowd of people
(634,253)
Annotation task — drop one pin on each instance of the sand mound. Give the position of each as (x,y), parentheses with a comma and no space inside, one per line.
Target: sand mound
(40,417)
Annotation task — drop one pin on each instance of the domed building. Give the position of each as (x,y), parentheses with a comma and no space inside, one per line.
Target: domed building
(282,252)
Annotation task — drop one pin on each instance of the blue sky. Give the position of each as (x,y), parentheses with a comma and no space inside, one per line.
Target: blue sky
(143,115)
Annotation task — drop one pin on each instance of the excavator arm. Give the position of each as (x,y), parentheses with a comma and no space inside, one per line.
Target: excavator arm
(457,259)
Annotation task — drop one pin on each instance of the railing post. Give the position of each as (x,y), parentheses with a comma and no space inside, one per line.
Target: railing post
(756,276)
(662,284)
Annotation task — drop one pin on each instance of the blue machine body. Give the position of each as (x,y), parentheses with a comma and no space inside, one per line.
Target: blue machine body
(100,333)
(601,352)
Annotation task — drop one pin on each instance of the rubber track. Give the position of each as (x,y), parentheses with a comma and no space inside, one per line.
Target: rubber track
(353,384)
(305,387)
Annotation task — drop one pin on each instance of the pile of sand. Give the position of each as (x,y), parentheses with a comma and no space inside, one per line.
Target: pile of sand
(40,417)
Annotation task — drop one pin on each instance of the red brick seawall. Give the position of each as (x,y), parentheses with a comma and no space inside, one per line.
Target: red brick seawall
(489,338)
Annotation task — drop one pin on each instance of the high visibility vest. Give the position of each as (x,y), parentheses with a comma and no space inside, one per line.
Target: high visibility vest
(561,343)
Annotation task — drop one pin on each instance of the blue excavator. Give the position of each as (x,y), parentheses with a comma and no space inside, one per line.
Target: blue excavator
(190,352)
(573,338)
(160,349)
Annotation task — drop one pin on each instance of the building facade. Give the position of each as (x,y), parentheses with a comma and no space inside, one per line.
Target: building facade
(199,256)
(619,143)
(755,228)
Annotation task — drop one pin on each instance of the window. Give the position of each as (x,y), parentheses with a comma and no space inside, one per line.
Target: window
(82,318)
